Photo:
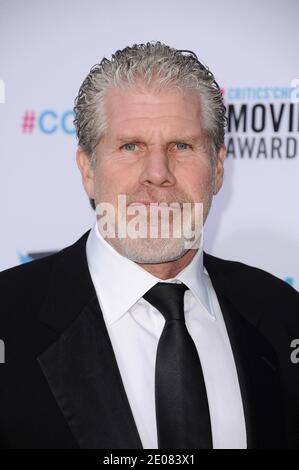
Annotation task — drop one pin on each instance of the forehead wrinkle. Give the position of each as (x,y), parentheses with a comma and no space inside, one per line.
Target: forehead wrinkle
(149,110)
(179,118)
(136,130)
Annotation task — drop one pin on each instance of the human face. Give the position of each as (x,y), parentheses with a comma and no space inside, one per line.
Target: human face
(153,150)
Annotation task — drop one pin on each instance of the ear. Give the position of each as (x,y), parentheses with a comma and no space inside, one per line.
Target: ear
(219,170)
(86,171)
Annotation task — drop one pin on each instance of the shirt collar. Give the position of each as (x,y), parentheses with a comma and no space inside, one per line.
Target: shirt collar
(120,282)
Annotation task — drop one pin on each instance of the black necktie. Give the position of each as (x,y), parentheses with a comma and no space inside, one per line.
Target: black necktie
(182,411)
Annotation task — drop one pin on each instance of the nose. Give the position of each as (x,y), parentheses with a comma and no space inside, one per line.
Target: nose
(156,170)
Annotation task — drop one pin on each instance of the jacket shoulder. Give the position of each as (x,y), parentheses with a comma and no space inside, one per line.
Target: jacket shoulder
(253,281)
(243,272)
(23,290)
(27,275)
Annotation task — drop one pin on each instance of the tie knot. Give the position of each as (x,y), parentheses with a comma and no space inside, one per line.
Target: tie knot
(168,298)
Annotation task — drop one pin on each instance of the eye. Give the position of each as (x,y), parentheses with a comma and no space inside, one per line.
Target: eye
(130,147)
(182,146)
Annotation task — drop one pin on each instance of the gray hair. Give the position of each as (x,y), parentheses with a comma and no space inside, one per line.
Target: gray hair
(155,64)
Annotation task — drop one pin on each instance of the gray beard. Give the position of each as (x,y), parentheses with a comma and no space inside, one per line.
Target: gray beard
(150,251)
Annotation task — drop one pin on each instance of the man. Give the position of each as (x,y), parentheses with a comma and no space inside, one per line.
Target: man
(133,339)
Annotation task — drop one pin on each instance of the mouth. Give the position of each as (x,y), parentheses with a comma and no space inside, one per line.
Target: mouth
(157,202)
(157,209)
(144,203)
(156,205)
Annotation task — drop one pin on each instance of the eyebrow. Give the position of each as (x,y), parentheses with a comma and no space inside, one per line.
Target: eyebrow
(183,138)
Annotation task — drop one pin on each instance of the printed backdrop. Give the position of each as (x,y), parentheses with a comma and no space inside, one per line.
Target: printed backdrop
(46,50)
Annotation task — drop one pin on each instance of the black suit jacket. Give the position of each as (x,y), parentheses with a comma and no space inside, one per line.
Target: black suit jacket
(60,386)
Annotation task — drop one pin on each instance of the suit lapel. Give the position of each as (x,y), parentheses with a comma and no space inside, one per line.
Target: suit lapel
(80,366)
(255,360)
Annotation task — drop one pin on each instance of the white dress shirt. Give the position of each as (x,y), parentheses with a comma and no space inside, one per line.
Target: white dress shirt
(135,326)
